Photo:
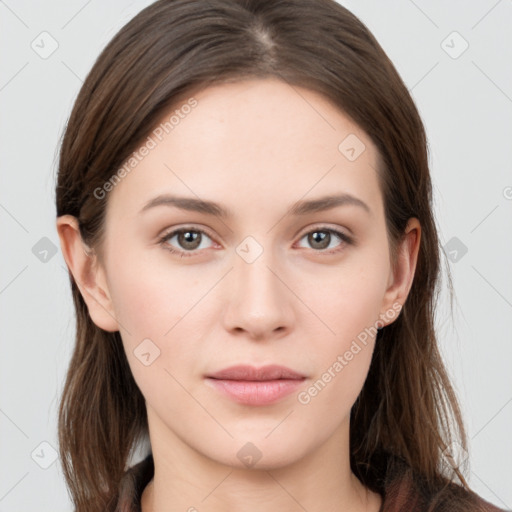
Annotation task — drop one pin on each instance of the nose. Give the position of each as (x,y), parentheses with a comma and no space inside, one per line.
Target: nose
(258,301)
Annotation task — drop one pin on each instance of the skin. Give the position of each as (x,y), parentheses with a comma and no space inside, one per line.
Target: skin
(256,147)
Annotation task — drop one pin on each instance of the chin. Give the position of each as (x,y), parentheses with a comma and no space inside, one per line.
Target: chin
(258,453)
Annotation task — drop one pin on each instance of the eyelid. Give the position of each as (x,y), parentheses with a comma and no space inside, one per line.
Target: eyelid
(325,227)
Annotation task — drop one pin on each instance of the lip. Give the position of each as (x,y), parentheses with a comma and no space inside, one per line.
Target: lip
(256,386)
(247,372)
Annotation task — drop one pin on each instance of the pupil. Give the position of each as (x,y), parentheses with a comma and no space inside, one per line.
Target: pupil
(320,237)
(190,237)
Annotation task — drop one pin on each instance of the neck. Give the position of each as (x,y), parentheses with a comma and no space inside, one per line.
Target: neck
(186,480)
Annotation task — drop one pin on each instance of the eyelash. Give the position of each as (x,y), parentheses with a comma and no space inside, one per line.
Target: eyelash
(162,241)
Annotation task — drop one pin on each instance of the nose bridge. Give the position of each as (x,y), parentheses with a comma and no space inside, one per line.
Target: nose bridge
(259,300)
(253,269)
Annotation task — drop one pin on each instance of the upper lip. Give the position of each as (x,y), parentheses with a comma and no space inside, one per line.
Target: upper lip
(247,372)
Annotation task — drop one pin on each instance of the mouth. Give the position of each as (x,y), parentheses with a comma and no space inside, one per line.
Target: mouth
(255,386)
(250,373)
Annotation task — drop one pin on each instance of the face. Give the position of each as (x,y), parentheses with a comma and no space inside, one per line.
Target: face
(274,281)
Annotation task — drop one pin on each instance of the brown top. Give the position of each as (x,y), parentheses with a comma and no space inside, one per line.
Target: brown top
(400,493)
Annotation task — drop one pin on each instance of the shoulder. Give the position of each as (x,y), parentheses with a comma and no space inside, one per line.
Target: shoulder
(403,491)
(488,507)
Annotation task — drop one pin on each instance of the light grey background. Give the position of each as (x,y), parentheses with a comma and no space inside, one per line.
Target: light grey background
(466,103)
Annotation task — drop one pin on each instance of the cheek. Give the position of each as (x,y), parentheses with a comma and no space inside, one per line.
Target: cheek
(342,359)
(171,306)
(344,299)
(347,303)
(157,316)
(150,299)
(157,304)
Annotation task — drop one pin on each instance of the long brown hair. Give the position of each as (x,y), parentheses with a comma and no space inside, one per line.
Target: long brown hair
(407,408)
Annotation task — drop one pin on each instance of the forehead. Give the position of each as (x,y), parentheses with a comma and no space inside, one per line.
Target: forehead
(250,142)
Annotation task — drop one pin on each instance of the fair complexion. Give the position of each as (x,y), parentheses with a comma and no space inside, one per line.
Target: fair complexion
(255,148)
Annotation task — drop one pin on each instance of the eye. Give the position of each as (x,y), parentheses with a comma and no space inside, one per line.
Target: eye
(188,239)
(320,239)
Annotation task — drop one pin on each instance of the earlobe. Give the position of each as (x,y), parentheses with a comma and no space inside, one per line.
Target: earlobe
(87,273)
(402,276)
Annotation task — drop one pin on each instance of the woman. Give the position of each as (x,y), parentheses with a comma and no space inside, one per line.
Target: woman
(245,207)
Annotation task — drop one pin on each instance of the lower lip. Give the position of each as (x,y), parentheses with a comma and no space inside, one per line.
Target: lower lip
(256,392)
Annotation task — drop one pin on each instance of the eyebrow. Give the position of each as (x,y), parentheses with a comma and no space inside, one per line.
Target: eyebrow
(302,207)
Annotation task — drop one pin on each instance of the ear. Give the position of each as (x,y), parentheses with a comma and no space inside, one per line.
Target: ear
(401,277)
(87,272)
